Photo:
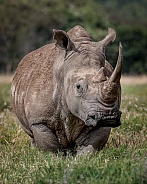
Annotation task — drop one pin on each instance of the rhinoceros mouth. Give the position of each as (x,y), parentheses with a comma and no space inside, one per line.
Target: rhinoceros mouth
(109,122)
(104,120)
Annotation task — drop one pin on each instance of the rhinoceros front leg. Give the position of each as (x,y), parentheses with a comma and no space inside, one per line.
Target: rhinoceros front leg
(44,138)
(94,140)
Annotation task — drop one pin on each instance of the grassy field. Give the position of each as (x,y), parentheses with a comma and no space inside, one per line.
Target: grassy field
(123,160)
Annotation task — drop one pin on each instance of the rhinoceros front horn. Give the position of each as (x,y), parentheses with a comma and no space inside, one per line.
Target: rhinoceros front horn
(111,87)
(116,75)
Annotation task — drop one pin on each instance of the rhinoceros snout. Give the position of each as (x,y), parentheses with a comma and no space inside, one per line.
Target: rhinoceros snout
(92,119)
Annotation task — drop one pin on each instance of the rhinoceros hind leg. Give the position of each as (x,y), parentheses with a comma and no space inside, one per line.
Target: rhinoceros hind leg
(44,138)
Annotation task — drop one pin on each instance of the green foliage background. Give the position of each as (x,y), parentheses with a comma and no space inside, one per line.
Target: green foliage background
(26,25)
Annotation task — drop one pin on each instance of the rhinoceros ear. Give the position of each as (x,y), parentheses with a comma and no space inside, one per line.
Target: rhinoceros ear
(62,40)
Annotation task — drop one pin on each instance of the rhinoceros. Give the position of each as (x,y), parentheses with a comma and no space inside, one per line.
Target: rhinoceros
(66,95)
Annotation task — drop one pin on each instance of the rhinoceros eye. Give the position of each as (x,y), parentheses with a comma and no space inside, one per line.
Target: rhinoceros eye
(80,88)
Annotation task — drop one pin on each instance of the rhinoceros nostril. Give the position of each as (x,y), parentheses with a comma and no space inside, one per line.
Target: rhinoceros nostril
(92,116)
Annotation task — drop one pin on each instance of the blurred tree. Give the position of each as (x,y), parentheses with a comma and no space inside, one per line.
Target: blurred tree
(27,25)
(134,49)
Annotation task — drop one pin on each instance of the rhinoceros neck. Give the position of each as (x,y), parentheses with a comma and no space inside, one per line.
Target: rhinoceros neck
(71,125)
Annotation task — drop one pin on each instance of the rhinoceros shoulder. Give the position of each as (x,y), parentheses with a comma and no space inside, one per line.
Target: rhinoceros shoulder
(36,57)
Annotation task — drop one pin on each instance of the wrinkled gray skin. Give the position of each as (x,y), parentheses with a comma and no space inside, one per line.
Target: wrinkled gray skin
(66,94)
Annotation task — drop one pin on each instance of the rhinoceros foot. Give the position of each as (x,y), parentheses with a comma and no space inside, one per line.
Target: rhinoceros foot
(85,150)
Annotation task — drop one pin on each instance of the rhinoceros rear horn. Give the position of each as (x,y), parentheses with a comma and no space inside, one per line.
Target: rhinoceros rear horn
(111,36)
(62,40)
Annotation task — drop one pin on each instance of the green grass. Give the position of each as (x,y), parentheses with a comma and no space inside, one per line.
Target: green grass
(123,160)
(137,92)
(4,96)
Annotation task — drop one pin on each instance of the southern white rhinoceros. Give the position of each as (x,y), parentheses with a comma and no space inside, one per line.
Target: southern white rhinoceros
(66,95)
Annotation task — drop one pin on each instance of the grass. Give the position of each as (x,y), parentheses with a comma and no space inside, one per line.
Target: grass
(4,96)
(123,160)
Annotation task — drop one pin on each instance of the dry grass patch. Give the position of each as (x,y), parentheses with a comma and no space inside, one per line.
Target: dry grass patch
(5,79)
(134,80)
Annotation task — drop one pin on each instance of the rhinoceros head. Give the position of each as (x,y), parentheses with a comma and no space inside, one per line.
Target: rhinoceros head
(91,86)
